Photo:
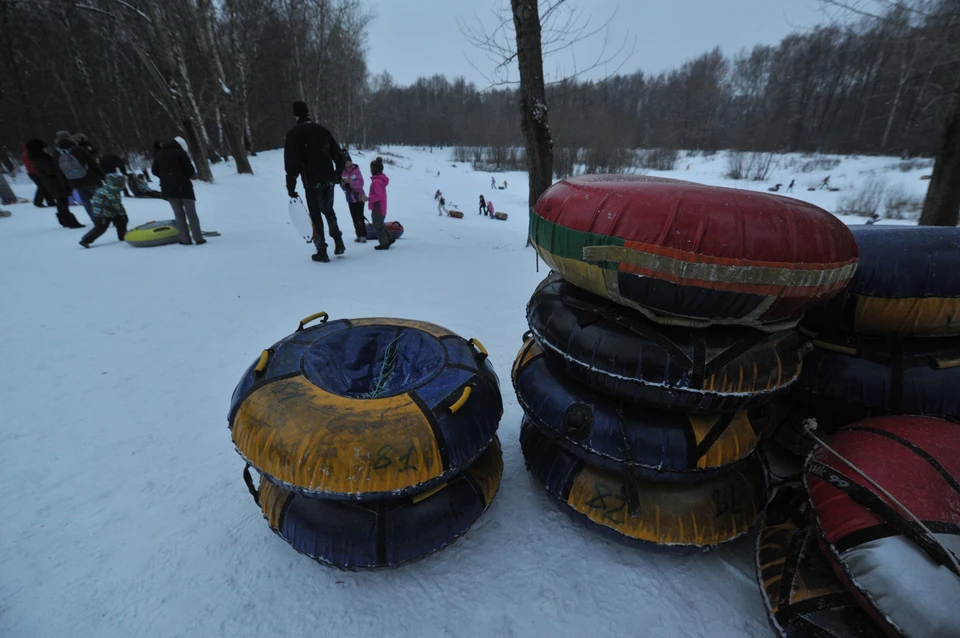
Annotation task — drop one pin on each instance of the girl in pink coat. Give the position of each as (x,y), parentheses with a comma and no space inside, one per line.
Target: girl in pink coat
(490,208)
(377,200)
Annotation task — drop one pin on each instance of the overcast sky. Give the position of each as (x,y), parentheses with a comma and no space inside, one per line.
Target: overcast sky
(412,38)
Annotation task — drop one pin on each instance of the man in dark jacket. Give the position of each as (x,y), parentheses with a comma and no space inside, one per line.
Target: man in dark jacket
(311,153)
(47,174)
(173,168)
(87,185)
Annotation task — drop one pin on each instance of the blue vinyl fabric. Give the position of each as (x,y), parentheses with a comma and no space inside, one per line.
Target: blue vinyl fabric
(896,262)
(388,532)
(654,445)
(884,376)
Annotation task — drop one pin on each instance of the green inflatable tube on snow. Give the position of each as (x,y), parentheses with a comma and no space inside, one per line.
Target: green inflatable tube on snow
(153,234)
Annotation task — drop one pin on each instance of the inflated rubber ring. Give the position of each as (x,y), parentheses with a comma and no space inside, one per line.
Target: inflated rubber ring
(682,517)
(621,353)
(387,532)
(366,409)
(653,445)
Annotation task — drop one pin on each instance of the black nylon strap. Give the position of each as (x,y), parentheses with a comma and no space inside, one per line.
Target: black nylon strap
(630,478)
(734,352)
(723,422)
(248,479)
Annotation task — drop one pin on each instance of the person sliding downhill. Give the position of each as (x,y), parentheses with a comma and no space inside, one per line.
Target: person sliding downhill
(311,153)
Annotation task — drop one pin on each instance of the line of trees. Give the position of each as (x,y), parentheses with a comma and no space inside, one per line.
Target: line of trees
(224,73)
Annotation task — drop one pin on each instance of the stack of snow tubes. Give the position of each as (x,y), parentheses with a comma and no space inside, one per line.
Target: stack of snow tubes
(375,439)
(890,343)
(667,326)
(869,545)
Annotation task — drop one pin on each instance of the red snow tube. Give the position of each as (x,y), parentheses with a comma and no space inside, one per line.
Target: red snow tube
(690,254)
(393,227)
(905,575)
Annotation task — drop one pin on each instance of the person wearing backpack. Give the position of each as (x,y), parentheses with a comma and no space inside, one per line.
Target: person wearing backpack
(48,174)
(81,169)
(173,168)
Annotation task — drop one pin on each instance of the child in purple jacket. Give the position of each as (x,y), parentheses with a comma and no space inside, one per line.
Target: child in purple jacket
(352,184)
(378,204)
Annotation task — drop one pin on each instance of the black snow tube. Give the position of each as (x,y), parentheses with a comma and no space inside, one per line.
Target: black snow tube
(619,352)
(849,379)
(645,443)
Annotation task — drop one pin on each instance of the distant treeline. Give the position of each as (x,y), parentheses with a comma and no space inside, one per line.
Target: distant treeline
(224,74)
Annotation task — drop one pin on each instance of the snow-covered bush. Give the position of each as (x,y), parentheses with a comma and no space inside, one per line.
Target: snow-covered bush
(865,201)
(898,204)
(659,159)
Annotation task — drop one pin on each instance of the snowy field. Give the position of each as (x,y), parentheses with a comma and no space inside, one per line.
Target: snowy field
(127,514)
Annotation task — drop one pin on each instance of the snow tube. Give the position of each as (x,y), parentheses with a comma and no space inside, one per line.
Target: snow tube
(693,255)
(907,577)
(393,227)
(386,532)
(906,285)
(365,409)
(849,379)
(622,437)
(153,234)
(455,213)
(681,516)
(621,353)
(803,596)
(501,216)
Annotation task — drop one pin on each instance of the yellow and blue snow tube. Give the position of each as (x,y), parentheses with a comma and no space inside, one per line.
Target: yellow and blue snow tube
(681,517)
(153,234)
(906,285)
(365,409)
(385,532)
(624,437)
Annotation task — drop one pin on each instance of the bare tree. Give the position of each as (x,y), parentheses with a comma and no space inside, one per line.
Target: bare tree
(941,207)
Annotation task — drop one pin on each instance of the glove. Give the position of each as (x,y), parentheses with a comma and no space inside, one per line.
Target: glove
(293,194)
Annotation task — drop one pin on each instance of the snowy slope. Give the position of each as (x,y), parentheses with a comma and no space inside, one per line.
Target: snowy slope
(126,514)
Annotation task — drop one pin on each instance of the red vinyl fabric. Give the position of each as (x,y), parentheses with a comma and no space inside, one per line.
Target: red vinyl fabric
(788,254)
(899,573)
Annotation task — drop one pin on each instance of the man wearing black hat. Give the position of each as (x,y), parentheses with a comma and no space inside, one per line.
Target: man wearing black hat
(311,153)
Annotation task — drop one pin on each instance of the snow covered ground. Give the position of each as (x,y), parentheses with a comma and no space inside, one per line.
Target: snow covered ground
(126,513)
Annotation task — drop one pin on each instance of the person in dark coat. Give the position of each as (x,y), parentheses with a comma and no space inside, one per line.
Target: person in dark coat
(173,168)
(47,174)
(311,153)
(42,198)
(87,185)
(138,185)
(115,164)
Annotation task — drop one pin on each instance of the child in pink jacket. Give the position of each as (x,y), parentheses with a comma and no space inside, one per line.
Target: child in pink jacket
(377,201)
(490,208)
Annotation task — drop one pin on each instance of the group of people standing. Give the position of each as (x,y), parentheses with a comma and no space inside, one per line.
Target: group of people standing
(312,154)
(75,166)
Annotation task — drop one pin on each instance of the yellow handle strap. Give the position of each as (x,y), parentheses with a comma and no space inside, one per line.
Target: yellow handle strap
(833,347)
(947,363)
(319,315)
(262,363)
(428,493)
(479,346)
(467,391)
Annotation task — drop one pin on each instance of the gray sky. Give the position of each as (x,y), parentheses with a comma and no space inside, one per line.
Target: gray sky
(411,38)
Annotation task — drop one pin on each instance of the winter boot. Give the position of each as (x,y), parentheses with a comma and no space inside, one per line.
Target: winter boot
(321,255)
(338,247)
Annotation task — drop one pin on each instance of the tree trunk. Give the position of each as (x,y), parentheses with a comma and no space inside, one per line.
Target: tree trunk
(533,102)
(942,204)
